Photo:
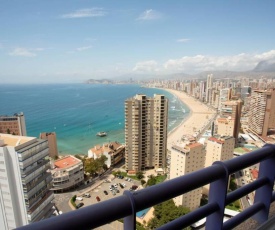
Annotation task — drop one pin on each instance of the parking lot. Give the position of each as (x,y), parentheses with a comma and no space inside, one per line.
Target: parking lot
(99,191)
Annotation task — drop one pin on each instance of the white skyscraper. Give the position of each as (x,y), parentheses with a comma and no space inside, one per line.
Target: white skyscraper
(209,84)
(25,195)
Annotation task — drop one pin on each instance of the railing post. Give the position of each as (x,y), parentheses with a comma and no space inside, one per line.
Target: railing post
(130,221)
(217,194)
(264,194)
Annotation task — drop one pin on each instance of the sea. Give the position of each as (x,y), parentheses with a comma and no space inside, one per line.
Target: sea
(77,112)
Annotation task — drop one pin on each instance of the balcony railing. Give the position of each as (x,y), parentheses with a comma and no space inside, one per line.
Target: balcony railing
(217,175)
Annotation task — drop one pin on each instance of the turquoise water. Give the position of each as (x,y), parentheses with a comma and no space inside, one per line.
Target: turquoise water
(142,213)
(76,112)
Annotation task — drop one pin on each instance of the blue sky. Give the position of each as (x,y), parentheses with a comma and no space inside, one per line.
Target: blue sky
(74,40)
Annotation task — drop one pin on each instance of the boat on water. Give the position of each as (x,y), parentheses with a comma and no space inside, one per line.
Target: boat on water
(173,107)
(101,134)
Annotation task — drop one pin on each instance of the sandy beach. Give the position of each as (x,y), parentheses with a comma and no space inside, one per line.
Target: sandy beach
(195,122)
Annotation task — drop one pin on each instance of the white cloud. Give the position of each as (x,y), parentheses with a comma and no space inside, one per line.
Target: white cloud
(84,48)
(149,15)
(22,52)
(146,66)
(198,63)
(84,13)
(183,40)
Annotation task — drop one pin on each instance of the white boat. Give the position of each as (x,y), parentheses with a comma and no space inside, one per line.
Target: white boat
(173,107)
(101,134)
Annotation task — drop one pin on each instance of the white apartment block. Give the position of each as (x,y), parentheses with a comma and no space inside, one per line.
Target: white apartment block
(186,159)
(25,195)
(146,132)
(67,173)
(218,148)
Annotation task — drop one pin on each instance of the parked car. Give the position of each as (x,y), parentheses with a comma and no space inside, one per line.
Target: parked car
(79,205)
(79,198)
(105,192)
(115,185)
(124,185)
(121,186)
(87,195)
(97,198)
(134,187)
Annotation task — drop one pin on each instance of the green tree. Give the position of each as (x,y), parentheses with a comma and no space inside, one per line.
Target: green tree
(152,180)
(95,166)
(166,212)
(140,175)
(142,182)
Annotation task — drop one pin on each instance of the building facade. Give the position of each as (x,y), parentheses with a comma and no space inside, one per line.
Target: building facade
(146,132)
(51,138)
(114,152)
(230,122)
(13,124)
(186,159)
(25,195)
(218,148)
(262,111)
(67,173)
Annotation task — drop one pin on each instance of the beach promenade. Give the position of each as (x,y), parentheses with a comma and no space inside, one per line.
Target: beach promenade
(200,114)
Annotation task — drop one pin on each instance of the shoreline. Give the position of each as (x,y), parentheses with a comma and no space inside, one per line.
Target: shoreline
(199,115)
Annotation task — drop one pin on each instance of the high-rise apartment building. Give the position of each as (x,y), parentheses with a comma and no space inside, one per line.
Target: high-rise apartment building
(13,124)
(25,195)
(51,138)
(146,132)
(230,122)
(225,95)
(262,111)
(209,84)
(186,159)
(218,148)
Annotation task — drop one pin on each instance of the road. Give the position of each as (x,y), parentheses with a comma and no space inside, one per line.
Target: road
(95,188)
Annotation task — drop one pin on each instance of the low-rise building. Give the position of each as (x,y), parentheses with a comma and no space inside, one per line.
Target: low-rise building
(114,152)
(67,173)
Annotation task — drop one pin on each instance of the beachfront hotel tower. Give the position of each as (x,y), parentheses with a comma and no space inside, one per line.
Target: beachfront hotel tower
(262,111)
(25,195)
(14,124)
(146,132)
(187,158)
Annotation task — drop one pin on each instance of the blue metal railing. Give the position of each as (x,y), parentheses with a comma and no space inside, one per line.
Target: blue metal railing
(217,175)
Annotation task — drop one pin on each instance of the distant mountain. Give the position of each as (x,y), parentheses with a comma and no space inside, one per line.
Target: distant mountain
(99,81)
(265,66)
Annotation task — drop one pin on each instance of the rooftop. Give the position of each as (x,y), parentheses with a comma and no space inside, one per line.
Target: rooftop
(12,140)
(66,162)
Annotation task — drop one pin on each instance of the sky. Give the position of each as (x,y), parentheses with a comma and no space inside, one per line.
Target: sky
(57,41)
